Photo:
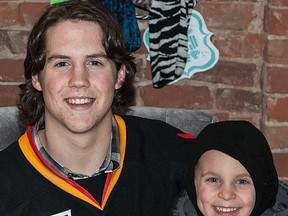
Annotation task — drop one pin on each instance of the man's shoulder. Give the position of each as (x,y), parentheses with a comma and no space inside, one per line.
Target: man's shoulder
(12,161)
(157,138)
(148,124)
(130,118)
(13,164)
(155,129)
(9,153)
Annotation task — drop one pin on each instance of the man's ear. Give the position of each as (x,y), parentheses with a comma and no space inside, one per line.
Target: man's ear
(36,82)
(120,77)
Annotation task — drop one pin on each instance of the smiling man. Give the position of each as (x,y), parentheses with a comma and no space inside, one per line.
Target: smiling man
(80,155)
(78,83)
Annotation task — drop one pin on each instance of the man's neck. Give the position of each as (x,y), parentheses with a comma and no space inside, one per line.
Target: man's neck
(80,153)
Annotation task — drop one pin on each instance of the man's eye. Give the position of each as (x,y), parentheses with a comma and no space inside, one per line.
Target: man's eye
(61,64)
(95,63)
(213,180)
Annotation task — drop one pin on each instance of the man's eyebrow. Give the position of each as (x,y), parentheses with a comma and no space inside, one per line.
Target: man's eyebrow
(50,58)
(97,55)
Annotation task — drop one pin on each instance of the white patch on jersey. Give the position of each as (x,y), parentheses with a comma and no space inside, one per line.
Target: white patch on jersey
(66,213)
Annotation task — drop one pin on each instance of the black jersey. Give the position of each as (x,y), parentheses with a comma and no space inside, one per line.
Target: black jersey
(151,174)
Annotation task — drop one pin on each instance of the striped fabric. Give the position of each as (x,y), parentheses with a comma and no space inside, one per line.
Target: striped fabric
(168,25)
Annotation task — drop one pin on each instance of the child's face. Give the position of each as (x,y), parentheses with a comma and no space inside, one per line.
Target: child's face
(223,186)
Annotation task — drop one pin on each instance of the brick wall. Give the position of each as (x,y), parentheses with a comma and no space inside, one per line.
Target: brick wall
(249,82)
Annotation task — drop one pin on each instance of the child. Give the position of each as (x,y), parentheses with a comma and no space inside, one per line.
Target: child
(232,171)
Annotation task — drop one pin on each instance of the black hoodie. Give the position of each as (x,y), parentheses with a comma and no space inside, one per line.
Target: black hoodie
(245,143)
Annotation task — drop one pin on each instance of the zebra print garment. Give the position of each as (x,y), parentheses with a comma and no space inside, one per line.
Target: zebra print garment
(168,25)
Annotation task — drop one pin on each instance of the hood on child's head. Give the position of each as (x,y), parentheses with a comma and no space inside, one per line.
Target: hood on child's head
(245,143)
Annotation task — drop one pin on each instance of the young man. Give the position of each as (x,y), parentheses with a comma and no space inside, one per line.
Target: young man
(77,156)
(232,171)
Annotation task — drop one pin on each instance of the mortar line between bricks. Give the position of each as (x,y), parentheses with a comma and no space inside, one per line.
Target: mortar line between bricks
(10,83)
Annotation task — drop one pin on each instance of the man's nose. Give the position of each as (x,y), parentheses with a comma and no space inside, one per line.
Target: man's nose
(79,77)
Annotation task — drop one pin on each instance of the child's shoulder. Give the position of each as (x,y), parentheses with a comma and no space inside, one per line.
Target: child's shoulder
(281,206)
(182,206)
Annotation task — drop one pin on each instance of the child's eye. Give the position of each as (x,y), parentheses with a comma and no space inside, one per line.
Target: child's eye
(242,181)
(213,180)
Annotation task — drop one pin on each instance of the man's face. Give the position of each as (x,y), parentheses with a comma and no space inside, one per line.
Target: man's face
(223,186)
(78,80)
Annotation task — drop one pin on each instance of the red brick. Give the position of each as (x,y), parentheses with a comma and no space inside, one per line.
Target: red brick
(277,109)
(148,73)
(277,136)
(238,100)
(277,24)
(239,44)
(281,161)
(8,95)
(9,14)
(222,116)
(17,41)
(232,73)
(141,65)
(277,79)
(3,38)
(277,52)
(31,11)
(228,16)
(279,2)
(190,97)
(13,40)
(11,70)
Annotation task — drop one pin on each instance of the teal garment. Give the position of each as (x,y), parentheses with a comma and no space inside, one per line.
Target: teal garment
(124,11)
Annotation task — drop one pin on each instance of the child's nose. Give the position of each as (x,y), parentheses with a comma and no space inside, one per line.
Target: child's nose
(227,192)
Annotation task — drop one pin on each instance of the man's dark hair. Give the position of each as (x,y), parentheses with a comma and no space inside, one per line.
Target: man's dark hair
(31,104)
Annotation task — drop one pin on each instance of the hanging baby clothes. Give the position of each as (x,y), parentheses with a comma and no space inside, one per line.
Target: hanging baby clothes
(124,11)
(168,25)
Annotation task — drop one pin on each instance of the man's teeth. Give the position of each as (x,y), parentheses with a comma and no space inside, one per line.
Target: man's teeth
(80,101)
(222,209)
